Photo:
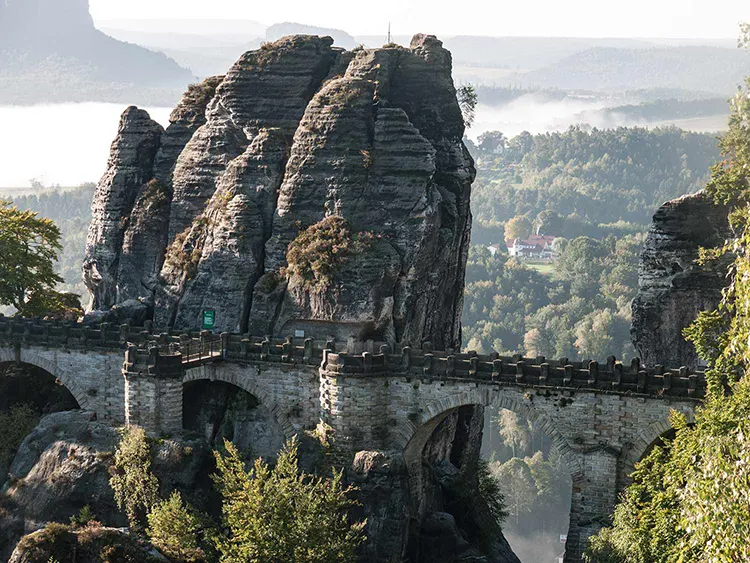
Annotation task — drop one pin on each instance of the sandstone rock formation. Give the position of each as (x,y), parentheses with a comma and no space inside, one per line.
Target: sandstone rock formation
(673,287)
(355,156)
(423,504)
(64,465)
(88,545)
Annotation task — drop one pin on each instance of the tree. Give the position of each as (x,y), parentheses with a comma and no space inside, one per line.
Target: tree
(29,247)
(280,515)
(689,500)
(467,101)
(548,222)
(518,227)
(492,140)
(173,528)
(594,334)
(136,488)
(518,488)
(514,432)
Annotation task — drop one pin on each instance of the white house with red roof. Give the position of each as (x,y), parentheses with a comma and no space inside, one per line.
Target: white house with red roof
(536,247)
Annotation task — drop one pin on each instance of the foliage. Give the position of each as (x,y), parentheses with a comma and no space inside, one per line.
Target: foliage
(54,305)
(689,500)
(535,491)
(84,517)
(174,529)
(513,432)
(510,307)
(518,227)
(589,178)
(16,425)
(280,515)
(548,222)
(136,488)
(71,212)
(490,490)
(319,252)
(467,101)
(29,248)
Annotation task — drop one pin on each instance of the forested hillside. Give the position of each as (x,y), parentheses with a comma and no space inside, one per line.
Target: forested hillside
(689,499)
(595,190)
(592,179)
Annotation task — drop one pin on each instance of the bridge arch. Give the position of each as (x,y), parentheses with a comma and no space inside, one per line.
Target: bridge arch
(31,357)
(414,436)
(419,432)
(247,383)
(650,435)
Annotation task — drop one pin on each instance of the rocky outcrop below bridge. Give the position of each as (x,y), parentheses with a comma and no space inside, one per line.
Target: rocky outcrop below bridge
(673,286)
(310,190)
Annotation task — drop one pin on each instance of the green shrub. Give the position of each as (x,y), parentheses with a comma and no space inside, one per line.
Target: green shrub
(136,488)
(84,517)
(15,425)
(174,528)
(280,515)
(319,252)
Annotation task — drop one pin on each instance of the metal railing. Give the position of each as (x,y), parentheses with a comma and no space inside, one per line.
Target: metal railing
(195,350)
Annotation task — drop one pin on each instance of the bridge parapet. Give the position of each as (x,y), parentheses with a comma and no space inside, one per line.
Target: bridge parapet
(610,376)
(58,334)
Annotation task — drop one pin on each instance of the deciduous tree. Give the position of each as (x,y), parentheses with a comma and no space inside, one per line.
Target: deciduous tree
(518,227)
(29,246)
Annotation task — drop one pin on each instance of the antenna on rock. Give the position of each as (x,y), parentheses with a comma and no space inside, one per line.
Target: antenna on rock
(390,39)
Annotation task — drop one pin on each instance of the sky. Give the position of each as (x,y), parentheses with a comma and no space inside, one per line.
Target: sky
(555,18)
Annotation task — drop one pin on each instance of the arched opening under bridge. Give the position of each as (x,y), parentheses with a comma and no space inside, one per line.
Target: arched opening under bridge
(219,410)
(443,460)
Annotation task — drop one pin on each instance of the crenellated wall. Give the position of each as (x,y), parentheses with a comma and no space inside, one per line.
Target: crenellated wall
(602,418)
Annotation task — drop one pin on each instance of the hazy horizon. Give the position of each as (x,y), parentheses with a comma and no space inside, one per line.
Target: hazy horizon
(642,19)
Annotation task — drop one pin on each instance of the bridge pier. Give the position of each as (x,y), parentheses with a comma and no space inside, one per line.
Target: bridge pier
(153,390)
(593,500)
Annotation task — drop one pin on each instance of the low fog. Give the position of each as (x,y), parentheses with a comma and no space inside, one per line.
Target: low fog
(64,144)
(539,549)
(68,144)
(536,113)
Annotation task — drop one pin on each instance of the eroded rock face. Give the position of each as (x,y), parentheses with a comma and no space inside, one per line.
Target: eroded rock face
(64,464)
(673,288)
(451,522)
(129,169)
(90,545)
(296,133)
(383,491)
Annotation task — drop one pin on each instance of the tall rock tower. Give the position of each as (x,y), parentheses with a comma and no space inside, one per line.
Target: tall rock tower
(309,191)
(673,287)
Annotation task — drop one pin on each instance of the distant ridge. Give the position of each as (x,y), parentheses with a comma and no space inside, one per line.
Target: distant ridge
(340,38)
(51,51)
(700,68)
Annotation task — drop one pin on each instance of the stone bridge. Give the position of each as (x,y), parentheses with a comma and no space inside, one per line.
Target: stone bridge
(602,417)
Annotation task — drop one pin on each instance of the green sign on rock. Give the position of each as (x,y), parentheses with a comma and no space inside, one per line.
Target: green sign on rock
(209,319)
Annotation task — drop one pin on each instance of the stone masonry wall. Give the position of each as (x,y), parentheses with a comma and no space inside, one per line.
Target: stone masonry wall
(602,419)
(599,434)
(94,378)
(290,392)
